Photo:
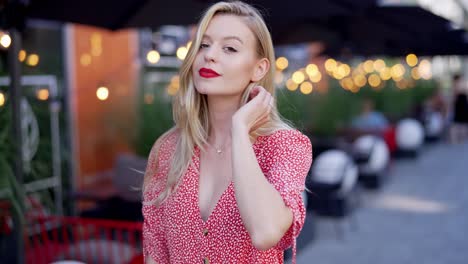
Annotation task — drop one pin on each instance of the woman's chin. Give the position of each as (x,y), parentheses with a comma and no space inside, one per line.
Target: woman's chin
(216,91)
(202,90)
(206,90)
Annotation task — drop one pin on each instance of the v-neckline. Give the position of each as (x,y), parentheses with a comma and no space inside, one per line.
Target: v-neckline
(197,182)
(197,153)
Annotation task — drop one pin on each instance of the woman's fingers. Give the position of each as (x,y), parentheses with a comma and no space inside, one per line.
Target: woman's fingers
(272,102)
(264,116)
(262,95)
(257,111)
(266,99)
(254,92)
(260,122)
(266,105)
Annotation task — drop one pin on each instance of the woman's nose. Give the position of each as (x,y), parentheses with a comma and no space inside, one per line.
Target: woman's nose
(210,54)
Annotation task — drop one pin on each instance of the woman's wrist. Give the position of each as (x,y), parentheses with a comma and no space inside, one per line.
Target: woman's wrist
(238,129)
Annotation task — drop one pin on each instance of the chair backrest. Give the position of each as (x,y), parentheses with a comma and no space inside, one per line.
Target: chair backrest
(91,241)
(334,171)
(129,174)
(371,154)
(389,136)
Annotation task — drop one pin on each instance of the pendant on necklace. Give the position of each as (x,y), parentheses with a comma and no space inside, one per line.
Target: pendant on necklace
(219,151)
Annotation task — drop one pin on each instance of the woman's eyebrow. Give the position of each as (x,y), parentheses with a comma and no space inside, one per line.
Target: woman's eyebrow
(234,37)
(205,36)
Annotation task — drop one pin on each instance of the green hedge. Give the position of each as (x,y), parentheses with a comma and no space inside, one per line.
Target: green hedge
(322,114)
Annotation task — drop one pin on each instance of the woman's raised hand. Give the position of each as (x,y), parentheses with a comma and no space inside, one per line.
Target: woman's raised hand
(254,113)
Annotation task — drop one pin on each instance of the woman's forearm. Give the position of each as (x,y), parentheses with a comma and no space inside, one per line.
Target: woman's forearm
(261,207)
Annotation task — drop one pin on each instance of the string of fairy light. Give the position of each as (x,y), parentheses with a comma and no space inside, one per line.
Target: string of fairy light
(33,59)
(375,73)
(153,57)
(29,58)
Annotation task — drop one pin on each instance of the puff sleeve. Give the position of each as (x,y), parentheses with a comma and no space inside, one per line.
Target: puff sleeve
(290,153)
(154,236)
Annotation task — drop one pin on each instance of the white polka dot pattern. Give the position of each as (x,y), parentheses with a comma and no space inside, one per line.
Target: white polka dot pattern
(175,232)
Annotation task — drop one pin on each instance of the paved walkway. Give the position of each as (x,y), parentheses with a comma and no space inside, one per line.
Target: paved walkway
(419,216)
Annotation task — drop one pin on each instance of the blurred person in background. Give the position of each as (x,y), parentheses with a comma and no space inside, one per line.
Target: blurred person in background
(369,119)
(437,103)
(459,127)
(224,184)
(434,114)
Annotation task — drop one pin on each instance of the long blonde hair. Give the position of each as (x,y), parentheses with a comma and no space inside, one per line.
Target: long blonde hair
(190,108)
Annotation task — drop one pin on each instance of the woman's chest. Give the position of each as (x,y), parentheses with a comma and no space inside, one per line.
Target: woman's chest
(182,208)
(183,204)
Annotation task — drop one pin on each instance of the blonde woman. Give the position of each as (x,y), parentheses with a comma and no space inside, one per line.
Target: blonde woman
(224,185)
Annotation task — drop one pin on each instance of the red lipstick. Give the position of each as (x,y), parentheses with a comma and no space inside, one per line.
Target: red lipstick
(208,73)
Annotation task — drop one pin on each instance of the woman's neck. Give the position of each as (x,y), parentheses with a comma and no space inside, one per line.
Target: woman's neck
(221,110)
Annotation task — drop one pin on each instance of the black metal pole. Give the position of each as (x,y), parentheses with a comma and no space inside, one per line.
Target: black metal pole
(16,95)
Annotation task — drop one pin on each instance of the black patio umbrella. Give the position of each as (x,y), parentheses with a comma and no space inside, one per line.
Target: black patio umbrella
(314,26)
(430,34)
(120,14)
(360,26)
(289,21)
(396,31)
(374,30)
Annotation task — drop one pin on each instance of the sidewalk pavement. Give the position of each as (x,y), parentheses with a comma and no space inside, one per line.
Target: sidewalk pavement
(419,216)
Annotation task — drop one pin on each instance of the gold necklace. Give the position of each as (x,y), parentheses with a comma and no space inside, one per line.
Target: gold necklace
(219,150)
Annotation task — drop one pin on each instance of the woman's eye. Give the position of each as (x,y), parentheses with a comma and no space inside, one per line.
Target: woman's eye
(204,45)
(230,49)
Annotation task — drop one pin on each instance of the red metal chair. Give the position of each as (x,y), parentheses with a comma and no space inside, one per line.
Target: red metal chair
(54,238)
(389,136)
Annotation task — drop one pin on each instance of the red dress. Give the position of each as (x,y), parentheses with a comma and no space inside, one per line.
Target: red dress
(175,232)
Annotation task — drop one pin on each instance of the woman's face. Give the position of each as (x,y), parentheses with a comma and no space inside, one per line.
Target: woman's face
(227,61)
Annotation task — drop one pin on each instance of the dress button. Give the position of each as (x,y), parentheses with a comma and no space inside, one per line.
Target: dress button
(206,261)
(205,232)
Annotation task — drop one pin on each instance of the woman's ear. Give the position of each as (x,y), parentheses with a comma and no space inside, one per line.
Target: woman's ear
(260,70)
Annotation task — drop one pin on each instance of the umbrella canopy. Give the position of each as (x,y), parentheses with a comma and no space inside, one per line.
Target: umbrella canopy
(361,27)
(429,34)
(397,31)
(114,15)
(120,14)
